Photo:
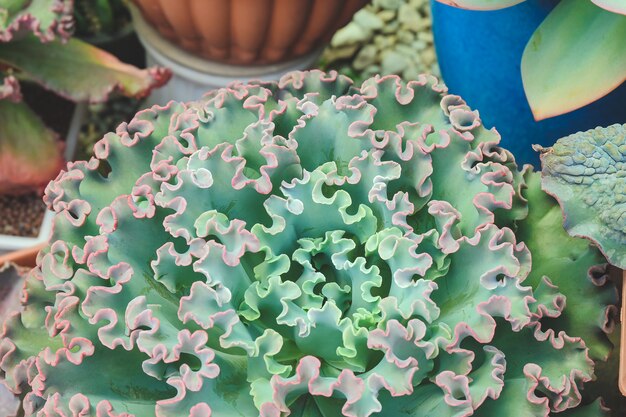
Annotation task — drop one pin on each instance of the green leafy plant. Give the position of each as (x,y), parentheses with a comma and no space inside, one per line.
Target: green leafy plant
(36,47)
(97,17)
(576,56)
(586,173)
(307,248)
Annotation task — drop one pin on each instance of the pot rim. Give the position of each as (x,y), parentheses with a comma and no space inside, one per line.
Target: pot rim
(182,60)
(11,243)
(24,257)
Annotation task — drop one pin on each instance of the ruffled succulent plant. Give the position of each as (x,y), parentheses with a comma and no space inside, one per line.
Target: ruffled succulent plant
(47,19)
(35,46)
(307,248)
(586,173)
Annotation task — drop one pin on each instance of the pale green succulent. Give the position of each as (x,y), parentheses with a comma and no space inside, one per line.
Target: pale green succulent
(307,248)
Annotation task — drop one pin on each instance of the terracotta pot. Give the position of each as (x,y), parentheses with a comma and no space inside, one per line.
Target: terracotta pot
(24,257)
(249,31)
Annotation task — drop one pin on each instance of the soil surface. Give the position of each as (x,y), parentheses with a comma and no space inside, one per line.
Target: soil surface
(21,215)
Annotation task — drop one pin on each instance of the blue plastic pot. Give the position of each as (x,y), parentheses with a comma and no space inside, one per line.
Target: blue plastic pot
(480,55)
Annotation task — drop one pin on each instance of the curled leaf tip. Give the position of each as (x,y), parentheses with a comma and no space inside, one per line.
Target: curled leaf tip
(48,20)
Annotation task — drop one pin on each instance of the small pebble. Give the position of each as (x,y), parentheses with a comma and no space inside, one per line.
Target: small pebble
(403,45)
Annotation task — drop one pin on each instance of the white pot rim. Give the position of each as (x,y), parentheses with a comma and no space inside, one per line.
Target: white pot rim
(10,243)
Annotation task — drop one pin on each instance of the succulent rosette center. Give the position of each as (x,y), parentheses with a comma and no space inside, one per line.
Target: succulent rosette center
(303,248)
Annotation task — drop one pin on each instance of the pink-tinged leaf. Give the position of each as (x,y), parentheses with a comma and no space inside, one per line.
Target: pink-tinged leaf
(10,89)
(576,56)
(79,71)
(47,19)
(30,155)
(481,4)
(615,6)
(11,284)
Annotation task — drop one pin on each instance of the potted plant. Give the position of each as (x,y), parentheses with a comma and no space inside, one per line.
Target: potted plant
(308,247)
(212,43)
(585,172)
(107,24)
(537,69)
(36,48)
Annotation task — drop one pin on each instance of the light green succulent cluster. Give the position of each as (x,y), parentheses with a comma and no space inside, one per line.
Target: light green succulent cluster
(313,249)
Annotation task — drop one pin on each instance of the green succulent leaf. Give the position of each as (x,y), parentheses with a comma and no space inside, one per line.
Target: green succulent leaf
(11,282)
(595,409)
(615,6)
(585,172)
(556,256)
(576,56)
(481,4)
(607,386)
(30,155)
(77,70)
(47,19)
